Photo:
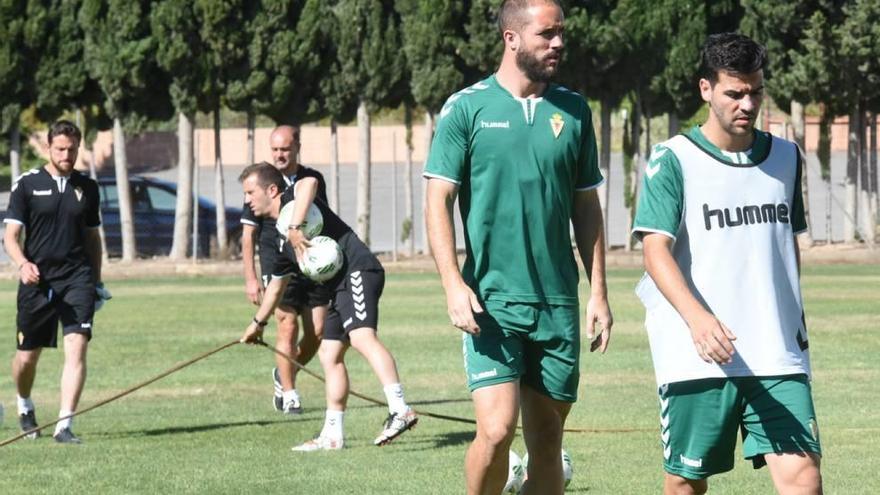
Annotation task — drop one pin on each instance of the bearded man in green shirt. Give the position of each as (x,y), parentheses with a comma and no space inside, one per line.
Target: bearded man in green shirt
(519,154)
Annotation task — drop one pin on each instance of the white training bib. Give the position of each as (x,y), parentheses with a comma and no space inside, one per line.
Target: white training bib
(735,248)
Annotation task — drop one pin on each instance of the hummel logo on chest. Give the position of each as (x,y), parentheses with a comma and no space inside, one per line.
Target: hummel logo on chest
(495,125)
(47,192)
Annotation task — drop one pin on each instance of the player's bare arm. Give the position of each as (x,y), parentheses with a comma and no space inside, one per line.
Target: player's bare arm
(461,302)
(252,287)
(590,239)
(305,191)
(254,331)
(713,340)
(94,252)
(28,272)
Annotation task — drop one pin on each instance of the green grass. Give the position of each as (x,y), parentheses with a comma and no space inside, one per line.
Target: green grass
(210,428)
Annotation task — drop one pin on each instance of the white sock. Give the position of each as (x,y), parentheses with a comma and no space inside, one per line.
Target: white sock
(333,424)
(25,404)
(394,396)
(63,423)
(290,396)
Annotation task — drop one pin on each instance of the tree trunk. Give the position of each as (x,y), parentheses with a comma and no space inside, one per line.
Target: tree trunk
(605,161)
(363,183)
(15,151)
(799,127)
(93,173)
(852,173)
(865,219)
(183,208)
(334,167)
(219,194)
(875,207)
(823,152)
(429,136)
(123,191)
(409,231)
(251,123)
(674,126)
(632,171)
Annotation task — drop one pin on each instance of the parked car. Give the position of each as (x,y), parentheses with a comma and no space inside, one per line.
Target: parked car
(154,202)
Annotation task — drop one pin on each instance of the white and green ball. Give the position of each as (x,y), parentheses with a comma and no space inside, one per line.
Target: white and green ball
(322,260)
(567,470)
(516,474)
(311,226)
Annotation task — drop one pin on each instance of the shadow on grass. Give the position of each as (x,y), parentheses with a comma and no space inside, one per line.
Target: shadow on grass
(174,430)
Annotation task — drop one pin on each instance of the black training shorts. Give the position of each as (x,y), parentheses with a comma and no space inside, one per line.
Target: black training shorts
(302,294)
(355,304)
(70,300)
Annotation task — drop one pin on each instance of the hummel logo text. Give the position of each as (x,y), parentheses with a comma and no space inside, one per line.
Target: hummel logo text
(495,125)
(746,215)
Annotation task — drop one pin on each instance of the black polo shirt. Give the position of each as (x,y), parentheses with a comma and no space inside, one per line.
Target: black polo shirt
(266,232)
(357,255)
(54,221)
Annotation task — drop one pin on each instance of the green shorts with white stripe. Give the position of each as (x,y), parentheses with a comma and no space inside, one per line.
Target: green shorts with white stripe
(699,421)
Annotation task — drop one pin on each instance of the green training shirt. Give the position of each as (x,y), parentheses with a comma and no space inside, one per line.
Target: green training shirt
(518,163)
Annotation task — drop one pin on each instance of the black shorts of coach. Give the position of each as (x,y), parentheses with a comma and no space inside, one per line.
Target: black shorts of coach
(355,304)
(302,294)
(70,300)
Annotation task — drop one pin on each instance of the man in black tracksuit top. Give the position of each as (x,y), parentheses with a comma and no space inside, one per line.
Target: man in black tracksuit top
(302,298)
(59,267)
(353,316)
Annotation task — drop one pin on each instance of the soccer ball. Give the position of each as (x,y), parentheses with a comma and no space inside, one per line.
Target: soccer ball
(567,471)
(322,260)
(516,474)
(311,226)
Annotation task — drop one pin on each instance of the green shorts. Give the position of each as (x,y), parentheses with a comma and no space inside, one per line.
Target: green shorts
(699,420)
(538,344)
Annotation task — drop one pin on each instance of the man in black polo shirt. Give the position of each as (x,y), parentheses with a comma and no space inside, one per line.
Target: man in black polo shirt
(302,297)
(353,316)
(59,266)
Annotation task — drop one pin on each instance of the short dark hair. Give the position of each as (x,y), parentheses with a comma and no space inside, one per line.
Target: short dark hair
(731,52)
(266,174)
(511,14)
(65,128)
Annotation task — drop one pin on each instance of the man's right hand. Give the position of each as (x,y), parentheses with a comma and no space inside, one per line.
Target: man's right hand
(29,273)
(461,304)
(713,340)
(254,291)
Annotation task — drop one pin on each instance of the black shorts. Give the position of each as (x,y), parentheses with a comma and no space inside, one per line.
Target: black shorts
(40,307)
(355,304)
(302,294)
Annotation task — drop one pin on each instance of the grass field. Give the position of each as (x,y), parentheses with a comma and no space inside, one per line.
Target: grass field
(210,428)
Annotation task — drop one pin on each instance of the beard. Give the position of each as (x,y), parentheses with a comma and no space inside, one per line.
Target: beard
(533,67)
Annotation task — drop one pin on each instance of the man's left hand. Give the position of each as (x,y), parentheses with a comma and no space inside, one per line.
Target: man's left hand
(252,334)
(599,312)
(299,242)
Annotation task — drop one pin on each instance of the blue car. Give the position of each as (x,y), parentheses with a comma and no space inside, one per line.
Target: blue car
(154,202)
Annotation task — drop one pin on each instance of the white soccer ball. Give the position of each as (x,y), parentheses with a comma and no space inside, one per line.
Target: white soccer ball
(567,470)
(516,474)
(322,260)
(311,226)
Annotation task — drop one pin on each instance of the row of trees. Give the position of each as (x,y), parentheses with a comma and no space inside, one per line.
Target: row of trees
(126,63)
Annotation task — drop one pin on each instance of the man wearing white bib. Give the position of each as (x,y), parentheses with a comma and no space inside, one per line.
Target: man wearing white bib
(718,214)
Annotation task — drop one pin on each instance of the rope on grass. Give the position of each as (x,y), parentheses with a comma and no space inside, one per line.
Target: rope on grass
(429,414)
(123,393)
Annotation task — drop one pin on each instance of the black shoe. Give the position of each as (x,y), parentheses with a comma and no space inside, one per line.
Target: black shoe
(66,436)
(28,421)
